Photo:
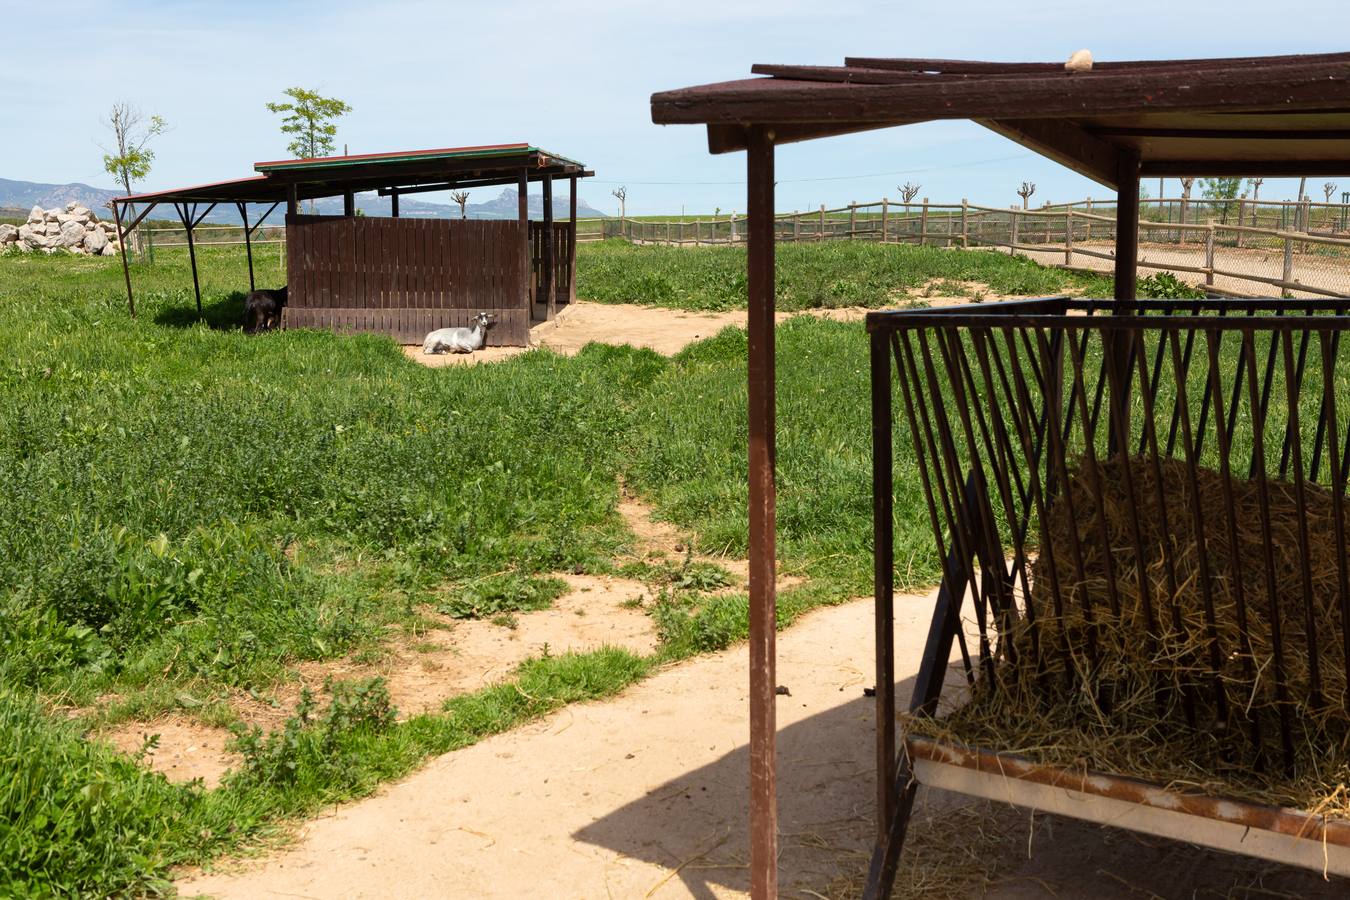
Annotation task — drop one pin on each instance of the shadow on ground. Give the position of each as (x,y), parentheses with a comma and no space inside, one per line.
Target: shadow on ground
(956,847)
(226,314)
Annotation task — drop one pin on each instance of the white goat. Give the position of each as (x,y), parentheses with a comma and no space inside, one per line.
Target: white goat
(458,340)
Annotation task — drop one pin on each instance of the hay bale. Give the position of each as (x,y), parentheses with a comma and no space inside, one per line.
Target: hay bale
(1163,682)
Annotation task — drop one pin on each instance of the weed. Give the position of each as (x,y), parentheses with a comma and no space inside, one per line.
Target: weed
(502,594)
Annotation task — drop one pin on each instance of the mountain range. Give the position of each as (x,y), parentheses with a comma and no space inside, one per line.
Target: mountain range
(22,196)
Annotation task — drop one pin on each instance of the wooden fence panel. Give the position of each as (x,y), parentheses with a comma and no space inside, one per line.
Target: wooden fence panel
(352,273)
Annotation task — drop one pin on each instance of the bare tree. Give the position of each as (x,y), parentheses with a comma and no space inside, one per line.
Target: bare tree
(460,197)
(1025,191)
(1186,185)
(1329,188)
(622,195)
(130,159)
(908,191)
(1302,186)
(1255,184)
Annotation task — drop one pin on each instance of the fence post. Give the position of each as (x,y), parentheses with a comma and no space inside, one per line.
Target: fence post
(1209,254)
(1012,232)
(1288,275)
(1068,236)
(733,226)
(1242,214)
(1089,221)
(796,227)
(852,219)
(965,224)
(923,223)
(885,209)
(820,235)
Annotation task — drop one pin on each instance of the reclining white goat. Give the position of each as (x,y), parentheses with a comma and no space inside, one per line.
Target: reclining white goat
(459,340)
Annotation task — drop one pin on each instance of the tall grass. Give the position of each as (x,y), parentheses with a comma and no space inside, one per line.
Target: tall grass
(810,276)
(188,510)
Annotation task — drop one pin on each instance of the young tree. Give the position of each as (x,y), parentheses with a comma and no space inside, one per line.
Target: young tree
(1025,192)
(1328,189)
(1224,190)
(130,159)
(308,119)
(1255,185)
(460,197)
(622,195)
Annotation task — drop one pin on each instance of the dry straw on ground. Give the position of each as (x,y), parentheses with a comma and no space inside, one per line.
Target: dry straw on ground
(1164,682)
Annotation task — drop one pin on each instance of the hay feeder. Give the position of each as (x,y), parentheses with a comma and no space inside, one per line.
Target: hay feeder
(1140,512)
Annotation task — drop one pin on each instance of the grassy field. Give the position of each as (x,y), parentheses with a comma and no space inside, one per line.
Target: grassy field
(189,511)
(812,276)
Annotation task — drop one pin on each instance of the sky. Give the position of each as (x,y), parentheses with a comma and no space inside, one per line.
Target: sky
(576,78)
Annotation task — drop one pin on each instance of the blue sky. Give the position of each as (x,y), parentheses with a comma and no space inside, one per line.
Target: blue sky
(576,78)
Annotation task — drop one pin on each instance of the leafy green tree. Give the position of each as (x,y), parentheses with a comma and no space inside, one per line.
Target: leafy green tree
(1222,190)
(308,119)
(130,159)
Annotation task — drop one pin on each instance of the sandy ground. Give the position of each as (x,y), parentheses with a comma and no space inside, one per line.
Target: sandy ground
(1308,269)
(645,796)
(456,657)
(667,331)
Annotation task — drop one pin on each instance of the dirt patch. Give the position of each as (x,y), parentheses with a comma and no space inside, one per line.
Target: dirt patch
(667,331)
(186,751)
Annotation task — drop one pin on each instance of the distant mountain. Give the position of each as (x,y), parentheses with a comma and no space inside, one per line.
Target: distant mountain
(27,194)
(24,195)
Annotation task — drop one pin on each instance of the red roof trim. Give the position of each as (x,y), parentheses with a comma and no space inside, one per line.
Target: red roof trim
(252,179)
(403,153)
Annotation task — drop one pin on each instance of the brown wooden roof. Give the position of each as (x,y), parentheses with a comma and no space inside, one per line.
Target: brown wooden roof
(440,169)
(1274,115)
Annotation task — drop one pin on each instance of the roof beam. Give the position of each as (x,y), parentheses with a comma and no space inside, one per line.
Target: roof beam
(1226,134)
(1065,142)
(1259,168)
(485,181)
(730,138)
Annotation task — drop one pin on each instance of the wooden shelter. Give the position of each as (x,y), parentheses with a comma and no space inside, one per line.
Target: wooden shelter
(1258,116)
(399,276)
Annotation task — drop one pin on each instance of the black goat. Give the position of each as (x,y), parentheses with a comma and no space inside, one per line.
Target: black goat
(262,310)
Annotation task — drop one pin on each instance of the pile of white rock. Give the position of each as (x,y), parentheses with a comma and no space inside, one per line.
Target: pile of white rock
(74,229)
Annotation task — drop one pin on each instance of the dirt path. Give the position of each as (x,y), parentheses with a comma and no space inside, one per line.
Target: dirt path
(645,796)
(667,331)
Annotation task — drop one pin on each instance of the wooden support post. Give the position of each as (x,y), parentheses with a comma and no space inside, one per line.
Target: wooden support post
(1127,228)
(348,204)
(549,298)
(965,224)
(1209,254)
(763,603)
(885,209)
(527,255)
(248,242)
(1068,236)
(122,252)
(820,235)
(186,218)
(572,240)
(393,202)
(923,223)
(292,200)
(852,219)
(1288,275)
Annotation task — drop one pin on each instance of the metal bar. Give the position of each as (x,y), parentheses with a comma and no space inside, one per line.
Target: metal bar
(122,252)
(1329,355)
(883,576)
(1294,446)
(186,219)
(1268,552)
(763,605)
(248,242)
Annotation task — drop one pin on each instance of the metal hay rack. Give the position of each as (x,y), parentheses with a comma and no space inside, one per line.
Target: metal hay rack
(1139,509)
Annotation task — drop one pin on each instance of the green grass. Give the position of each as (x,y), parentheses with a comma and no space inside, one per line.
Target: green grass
(810,276)
(189,511)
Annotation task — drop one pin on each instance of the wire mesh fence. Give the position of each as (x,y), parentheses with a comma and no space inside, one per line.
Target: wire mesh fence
(1238,247)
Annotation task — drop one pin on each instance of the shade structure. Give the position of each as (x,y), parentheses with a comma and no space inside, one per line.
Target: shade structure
(1118,121)
(405,277)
